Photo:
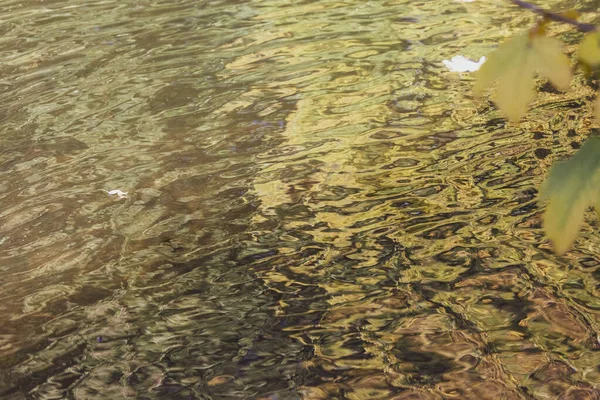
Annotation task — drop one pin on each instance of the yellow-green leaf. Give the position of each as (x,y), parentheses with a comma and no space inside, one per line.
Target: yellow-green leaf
(589,50)
(551,62)
(514,65)
(570,188)
(515,86)
(495,65)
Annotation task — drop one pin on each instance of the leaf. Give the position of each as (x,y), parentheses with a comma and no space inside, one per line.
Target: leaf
(551,62)
(570,188)
(515,86)
(572,14)
(514,65)
(495,65)
(511,64)
(589,50)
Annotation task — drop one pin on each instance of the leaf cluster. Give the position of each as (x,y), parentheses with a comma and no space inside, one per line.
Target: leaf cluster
(571,186)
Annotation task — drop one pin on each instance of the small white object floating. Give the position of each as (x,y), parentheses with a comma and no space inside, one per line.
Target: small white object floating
(463,64)
(119,193)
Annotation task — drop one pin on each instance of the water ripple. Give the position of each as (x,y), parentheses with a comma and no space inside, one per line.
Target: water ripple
(316,207)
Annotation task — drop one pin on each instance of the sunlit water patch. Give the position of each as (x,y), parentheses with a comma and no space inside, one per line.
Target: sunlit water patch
(278,201)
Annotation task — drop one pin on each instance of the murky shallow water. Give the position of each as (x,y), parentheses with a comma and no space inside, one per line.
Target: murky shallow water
(315,207)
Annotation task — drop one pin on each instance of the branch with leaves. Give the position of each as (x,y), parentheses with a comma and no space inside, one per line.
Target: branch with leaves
(565,18)
(572,186)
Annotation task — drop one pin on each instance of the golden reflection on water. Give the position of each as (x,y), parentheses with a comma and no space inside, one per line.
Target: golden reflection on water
(316,207)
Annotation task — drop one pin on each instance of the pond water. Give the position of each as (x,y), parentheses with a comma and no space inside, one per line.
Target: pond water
(313,206)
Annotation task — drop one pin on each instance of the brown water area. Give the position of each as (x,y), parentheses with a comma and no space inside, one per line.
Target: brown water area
(315,207)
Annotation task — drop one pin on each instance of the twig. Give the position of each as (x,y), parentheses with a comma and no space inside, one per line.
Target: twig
(582,26)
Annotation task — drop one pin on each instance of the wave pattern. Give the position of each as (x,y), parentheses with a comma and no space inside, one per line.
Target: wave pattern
(315,207)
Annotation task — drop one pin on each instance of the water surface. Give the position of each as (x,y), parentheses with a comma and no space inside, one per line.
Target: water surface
(316,207)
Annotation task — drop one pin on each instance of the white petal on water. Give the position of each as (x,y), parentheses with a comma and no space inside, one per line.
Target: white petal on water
(463,64)
(119,193)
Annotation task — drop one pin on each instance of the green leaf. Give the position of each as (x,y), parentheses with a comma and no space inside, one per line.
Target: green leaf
(570,188)
(514,65)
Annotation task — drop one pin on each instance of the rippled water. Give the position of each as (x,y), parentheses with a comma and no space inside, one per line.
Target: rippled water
(316,208)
